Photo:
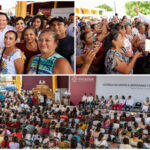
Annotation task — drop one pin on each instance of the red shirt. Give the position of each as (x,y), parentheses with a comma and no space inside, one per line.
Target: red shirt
(27,53)
(3,144)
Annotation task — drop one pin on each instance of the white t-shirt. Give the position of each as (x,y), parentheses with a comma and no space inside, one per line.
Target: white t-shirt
(127,45)
(90,98)
(8,65)
(57,96)
(84,98)
(115,101)
(70,30)
(122,101)
(129,102)
(2,34)
(147,120)
(41,98)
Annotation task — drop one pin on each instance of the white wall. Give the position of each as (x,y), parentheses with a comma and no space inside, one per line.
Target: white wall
(138,86)
(63,12)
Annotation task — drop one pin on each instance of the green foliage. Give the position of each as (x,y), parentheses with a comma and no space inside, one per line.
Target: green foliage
(106,7)
(144,7)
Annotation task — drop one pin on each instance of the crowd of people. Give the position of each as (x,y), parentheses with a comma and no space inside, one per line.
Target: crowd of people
(30,120)
(114,103)
(36,45)
(114,46)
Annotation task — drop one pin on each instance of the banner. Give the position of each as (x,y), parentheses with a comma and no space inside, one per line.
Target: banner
(80,85)
(138,86)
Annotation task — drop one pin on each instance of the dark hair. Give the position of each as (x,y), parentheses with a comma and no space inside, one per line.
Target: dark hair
(82,37)
(73,143)
(125,141)
(72,14)
(19,18)
(41,19)
(4,14)
(93,26)
(140,145)
(27,28)
(108,40)
(101,135)
(119,26)
(15,33)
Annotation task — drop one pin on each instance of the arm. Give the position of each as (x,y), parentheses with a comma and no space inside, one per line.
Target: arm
(29,64)
(62,66)
(126,68)
(19,66)
(145,18)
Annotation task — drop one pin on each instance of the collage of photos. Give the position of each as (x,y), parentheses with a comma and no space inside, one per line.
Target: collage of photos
(62,82)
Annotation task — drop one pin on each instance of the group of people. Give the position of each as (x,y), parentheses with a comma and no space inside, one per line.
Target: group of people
(115,103)
(36,45)
(114,46)
(29,121)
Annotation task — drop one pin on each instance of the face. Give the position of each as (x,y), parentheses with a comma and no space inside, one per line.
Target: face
(29,36)
(119,41)
(37,23)
(46,42)
(3,21)
(89,38)
(123,31)
(128,30)
(71,19)
(20,25)
(10,40)
(142,30)
(87,29)
(125,21)
(58,27)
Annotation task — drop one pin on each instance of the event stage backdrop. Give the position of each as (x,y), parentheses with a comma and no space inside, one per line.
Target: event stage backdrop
(138,86)
(81,84)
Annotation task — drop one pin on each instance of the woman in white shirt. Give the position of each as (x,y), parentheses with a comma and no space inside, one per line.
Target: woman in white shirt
(146,105)
(115,103)
(11,58)
(122,102)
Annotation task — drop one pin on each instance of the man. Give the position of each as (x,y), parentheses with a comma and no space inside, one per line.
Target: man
(66,43)
(145,18)
(57,97)
(83,101)
(129,103)
(4,27)
(90,99)
(70,29)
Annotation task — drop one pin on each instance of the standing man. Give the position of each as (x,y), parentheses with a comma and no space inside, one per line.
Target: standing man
(66,43)
(70,29)
(4,27)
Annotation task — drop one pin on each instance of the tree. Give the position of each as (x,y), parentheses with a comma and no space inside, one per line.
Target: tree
(143,7)
(106,7)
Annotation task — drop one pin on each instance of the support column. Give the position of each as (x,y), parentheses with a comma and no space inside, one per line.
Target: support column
(54,83)
(21,9)
(55,4)
(18,83)
(32,8)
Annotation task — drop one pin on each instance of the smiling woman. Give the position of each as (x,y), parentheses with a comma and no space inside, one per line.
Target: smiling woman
(11,58)
(48,62)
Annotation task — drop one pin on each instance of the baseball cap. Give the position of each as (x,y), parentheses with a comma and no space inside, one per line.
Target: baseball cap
(60,19)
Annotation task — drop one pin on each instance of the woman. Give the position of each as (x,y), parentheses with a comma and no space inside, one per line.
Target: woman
(37,23)
(146,105)
(116,61)
(101,141)
(48,62)
(88,45)
(20,26)
(29,47)
(14,144)
(11,58)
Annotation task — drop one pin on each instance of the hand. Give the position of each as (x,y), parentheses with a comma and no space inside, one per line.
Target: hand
(137,9)
(129,54)
(138,54)
(97,46)
(89,56)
